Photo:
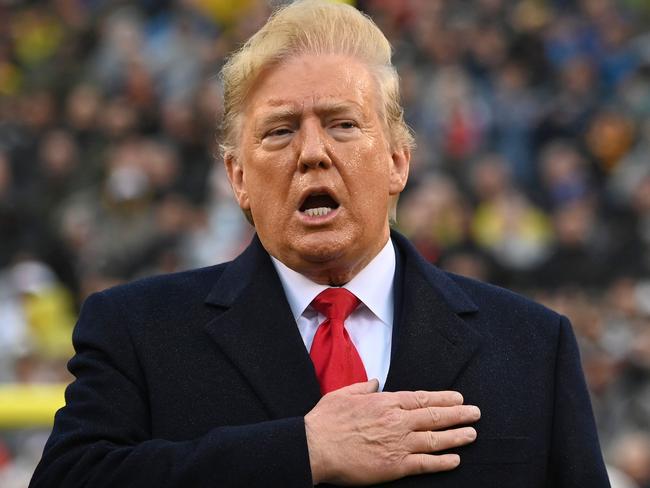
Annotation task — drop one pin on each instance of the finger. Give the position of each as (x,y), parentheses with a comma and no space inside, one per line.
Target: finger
(428,463)
(437,418)
(410,400)
(432,441)
(363,388)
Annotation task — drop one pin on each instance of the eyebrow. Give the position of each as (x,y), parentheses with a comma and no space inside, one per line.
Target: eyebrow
(328,107)
(282,112)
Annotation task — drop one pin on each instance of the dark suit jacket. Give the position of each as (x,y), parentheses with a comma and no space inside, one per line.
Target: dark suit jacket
(201,379)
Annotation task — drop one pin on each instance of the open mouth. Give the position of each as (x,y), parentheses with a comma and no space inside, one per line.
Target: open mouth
(318,205)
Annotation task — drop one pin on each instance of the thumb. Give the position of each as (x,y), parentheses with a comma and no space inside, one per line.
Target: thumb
(363,388)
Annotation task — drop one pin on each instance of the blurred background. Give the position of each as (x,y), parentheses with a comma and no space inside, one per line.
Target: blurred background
(532,172)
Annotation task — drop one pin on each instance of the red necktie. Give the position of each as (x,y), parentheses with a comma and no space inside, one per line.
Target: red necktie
(335,358)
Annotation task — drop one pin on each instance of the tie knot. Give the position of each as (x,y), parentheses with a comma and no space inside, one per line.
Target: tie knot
(335,303)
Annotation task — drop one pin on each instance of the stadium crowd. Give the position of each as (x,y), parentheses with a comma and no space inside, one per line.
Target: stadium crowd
(532,170)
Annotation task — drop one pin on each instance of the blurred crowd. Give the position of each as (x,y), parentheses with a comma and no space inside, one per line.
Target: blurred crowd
(532,169)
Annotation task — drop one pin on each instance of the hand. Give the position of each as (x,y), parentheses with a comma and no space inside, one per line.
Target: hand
(357,436)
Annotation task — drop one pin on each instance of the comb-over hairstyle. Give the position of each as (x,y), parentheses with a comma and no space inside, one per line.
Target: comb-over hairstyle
(312,27)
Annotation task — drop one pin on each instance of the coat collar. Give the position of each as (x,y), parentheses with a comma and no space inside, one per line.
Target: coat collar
(454,297)
(239,273)
(433,343)
(258,333)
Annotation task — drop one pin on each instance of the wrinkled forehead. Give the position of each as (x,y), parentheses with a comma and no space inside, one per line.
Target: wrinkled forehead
(316,83)
(313,77)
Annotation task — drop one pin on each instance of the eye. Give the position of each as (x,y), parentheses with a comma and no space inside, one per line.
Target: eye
(279,132)
(346,124)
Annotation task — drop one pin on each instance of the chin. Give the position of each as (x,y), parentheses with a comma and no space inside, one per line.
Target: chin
(322,247)
(321,253)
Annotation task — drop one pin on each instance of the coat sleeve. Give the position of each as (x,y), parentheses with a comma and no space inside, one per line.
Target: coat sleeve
(102,437)
(576,459)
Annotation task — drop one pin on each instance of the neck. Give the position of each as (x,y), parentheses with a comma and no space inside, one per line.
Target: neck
(337,273)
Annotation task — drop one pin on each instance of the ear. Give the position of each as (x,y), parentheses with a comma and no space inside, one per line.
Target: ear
(235,172)
(399,169)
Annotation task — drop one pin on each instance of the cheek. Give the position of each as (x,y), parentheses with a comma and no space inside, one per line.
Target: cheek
(372,182)
(269,185)
(371,170)
(365,159)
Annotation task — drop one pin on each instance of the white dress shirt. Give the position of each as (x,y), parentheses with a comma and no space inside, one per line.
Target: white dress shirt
(370,326)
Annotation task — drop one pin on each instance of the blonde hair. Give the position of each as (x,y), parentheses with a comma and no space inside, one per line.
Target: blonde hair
(313,27)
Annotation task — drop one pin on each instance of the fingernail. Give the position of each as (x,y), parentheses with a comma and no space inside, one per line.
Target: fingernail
(470,434)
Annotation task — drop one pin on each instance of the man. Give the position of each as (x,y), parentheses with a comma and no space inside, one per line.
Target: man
(265,371)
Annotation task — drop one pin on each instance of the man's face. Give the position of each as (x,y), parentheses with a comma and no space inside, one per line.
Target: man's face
(315,166)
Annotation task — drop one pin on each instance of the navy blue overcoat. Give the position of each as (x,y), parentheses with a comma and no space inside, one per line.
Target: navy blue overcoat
(201,379)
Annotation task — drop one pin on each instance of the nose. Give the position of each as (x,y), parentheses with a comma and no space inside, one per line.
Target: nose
(314,151)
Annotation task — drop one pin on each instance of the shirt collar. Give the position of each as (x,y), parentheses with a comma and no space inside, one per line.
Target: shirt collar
(373,285)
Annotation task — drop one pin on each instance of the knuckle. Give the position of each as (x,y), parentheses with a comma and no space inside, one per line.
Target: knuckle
(421,398)
(391,417)
(390,457)
(433,441)
(421,464)
(389,399)
(435,415)
(415,464)
(394,458)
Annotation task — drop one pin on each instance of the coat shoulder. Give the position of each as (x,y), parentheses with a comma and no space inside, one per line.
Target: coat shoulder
(193,285)
(467,296)
(155,301)
(488,295)
(506,310)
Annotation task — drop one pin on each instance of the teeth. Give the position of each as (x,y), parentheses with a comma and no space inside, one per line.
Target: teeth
(318,212)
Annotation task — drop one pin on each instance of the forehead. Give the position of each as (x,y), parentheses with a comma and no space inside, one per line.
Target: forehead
(310,81)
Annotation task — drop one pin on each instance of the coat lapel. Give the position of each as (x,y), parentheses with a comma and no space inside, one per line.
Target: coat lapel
(433,343)
(259,334)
